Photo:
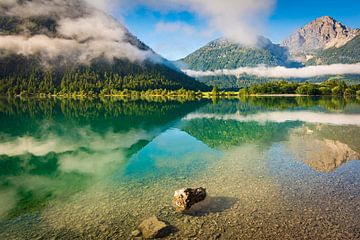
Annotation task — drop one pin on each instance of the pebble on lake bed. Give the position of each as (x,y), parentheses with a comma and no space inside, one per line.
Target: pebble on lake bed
(185,198)
(153,228)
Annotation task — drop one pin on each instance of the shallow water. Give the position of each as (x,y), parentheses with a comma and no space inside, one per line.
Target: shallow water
(274,167)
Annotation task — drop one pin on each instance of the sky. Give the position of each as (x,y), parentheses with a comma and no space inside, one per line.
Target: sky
(176,28)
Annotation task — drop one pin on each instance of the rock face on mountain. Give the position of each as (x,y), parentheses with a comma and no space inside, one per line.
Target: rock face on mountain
(322,33)
(225,54)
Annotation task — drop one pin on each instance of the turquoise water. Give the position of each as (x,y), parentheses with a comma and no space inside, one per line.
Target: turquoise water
(274,167)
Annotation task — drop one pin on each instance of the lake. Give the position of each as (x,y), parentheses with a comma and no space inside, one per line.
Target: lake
(273,167)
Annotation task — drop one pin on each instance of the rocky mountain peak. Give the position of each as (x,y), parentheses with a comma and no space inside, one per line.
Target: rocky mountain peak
(322,33)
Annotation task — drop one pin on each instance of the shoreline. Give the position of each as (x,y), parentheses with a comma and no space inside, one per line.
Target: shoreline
(203,95)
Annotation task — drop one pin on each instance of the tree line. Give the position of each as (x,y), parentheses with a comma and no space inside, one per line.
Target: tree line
(91,83)
(88,82)
(329,87)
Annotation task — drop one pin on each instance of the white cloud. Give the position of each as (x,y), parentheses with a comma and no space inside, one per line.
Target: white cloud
(238,20)
(175,27)
(282,72)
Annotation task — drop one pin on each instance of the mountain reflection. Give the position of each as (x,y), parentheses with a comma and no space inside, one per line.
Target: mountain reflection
(325,148)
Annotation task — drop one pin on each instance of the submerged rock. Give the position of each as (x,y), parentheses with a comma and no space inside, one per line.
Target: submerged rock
(153,228)
(185,198)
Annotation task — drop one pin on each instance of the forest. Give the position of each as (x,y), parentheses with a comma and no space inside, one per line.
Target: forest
(99,78)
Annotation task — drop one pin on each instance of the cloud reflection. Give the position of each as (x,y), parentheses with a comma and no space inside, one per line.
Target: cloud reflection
(280,117)
(72,140)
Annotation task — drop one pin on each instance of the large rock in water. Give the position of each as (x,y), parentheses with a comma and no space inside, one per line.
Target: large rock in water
(185,198)
(153,228)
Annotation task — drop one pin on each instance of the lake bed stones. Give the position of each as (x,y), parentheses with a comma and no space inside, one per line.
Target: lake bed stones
(153,228)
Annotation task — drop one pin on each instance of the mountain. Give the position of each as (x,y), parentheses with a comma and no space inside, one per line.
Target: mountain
(322,33)
(225,54)
(348,53)
(70,41)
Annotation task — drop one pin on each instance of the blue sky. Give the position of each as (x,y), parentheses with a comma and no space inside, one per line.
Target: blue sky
(176,32)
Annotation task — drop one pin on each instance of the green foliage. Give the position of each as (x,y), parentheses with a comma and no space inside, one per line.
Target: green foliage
(215,91)
(273,88)
(307,89)
(329,87)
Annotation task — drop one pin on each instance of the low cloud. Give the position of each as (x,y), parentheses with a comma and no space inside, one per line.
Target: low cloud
(281,72)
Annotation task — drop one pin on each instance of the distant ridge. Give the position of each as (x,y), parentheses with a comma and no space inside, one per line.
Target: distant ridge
(223,53)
